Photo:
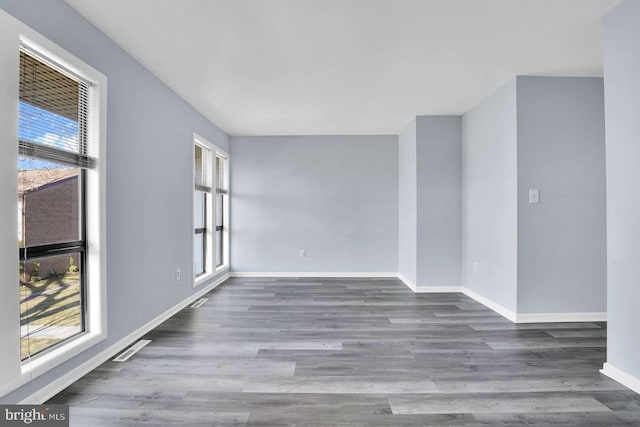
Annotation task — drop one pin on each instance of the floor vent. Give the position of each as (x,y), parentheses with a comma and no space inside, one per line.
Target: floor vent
(125,355)
(199,303)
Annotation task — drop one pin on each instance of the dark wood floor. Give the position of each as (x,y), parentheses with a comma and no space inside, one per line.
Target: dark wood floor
(362,352)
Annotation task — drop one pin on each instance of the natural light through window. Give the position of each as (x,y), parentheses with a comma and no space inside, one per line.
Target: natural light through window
(210,209)
(55,155)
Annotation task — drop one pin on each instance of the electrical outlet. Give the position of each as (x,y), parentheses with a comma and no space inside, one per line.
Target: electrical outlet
(178,274)
(303,253)
(476,265)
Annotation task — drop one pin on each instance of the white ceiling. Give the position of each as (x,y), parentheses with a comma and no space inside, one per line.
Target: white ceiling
(282,67)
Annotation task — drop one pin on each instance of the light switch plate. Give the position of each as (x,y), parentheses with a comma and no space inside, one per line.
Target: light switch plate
(534,196)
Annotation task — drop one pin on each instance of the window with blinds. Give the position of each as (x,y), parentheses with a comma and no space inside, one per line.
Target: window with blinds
(53,113)
(53,155)
(222,210)
(210,210)
(202,210)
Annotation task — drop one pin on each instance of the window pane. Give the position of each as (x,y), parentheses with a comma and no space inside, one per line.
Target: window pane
(219,209)
(200,177)
(199,203)
(46,128)
(219,248)
(48,202)
(49,106)
(50,302)
(220,175)
(198,254)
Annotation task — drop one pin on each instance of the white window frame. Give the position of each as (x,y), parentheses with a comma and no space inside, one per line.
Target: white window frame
(95,205)
(225,210)
(210,269)
(13,372)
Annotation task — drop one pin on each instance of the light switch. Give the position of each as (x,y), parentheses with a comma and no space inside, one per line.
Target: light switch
(534,196)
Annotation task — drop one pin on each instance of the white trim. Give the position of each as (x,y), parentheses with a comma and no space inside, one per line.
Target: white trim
(500,309)
(312,274)
(197,281)
(226,214)
(209,263)
(40,365)
(427,289)
(437,289)
(221,269)
(560,317)
(409,284)
(534,317)
(13,385)
(96,222)
(621,376)
(64,381)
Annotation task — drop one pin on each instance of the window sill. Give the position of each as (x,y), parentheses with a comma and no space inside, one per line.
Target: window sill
(41,364)
(197,281)
(201,280)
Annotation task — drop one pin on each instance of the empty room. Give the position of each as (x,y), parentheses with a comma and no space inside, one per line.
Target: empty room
(320,212)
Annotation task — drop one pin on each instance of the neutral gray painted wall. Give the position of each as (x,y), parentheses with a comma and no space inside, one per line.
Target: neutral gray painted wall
(334,196)
(622,106)
(489,197)
(408,203)
(439,200)
(561,240)
(149,178)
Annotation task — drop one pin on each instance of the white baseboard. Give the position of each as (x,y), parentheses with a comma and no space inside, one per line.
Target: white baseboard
(427,289)
(622,377)
(55,387)
(408,283)
(313,274)
(535,317)
(437,289)
(560,317)
(500,309)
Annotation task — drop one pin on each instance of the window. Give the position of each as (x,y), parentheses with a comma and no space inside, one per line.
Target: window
(59,192)
(201,208)
(222,213)
(210,210)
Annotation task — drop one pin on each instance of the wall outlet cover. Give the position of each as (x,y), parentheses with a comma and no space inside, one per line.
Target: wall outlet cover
(534,196)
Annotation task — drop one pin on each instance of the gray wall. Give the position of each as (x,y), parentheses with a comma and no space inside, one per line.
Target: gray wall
(622,102)
(439,201)
(149,175)
(561,240)
(408,203)
(489,197)
(334,196)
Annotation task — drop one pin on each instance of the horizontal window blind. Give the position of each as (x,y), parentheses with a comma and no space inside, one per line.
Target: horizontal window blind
(53,114)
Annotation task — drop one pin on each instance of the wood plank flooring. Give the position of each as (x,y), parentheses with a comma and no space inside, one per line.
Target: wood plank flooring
(356,352)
